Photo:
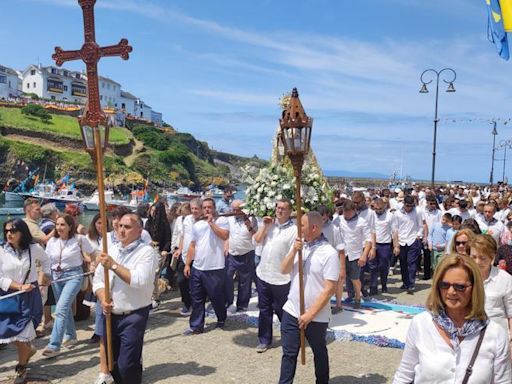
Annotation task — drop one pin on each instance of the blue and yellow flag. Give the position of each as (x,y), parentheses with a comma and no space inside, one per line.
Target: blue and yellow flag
(495,29)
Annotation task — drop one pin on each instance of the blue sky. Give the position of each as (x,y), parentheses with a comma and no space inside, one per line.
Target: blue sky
(217,69)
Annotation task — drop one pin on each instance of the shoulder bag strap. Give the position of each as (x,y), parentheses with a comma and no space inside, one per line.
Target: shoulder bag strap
(29,264)
(469,369)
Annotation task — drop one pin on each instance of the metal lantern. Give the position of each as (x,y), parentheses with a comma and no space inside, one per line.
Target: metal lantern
(295,128)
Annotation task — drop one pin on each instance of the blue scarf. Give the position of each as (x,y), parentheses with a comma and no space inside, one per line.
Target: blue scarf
(289,223)
(469,328)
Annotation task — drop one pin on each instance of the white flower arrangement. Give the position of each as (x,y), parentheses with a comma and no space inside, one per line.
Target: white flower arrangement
(277,182)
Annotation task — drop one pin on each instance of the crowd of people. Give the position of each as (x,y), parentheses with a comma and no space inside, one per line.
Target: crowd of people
(460,238)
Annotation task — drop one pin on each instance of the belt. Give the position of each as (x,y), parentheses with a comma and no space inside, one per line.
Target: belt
(383,243)
(125,313)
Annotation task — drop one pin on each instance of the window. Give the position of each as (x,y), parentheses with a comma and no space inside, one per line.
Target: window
(3,79)
(33,72)
(53,97)
(54,70)
(101,97)
(66,73)
(34,84)
(108,86)
(102,84)
(123,106)
(28,85)
(55,86)
(65,88)
(77,75)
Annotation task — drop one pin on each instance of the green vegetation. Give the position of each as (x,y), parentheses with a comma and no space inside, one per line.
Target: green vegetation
(37,110)
(60,125)
(151,137)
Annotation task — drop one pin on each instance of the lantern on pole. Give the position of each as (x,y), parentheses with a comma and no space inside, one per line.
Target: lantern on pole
(296,137)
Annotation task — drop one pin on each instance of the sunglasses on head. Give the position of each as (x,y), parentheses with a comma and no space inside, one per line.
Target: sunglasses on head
(444,285)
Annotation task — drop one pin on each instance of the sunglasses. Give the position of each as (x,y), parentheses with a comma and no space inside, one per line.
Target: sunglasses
(11,230)
(444,285)
(457,243)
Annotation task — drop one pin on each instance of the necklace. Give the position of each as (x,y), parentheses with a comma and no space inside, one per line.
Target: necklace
(62,247)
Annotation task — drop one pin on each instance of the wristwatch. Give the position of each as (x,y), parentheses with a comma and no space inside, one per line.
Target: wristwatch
(114,267)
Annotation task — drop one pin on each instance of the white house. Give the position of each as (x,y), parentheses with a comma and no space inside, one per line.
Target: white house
(55,83)
(142,110)
(156,118)
(127,103)
(110,92)
(9,83)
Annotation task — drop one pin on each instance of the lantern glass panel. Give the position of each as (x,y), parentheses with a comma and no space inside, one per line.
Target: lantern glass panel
(103,132)
(88,135)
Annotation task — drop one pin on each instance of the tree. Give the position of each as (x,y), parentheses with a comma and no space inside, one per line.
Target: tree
(37,111)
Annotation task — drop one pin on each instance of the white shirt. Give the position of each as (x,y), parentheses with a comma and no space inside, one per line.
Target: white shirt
(384,227)
(409,226)
(177,231)
(431,217)
(494,228)
(142,263)
(428,359)
(12,268)
(240,239)
(146,237)
(465,215)
(321,263)
(188,223)
(209,248)
(369,216)
(68,253)
(498,297)
(354,234)
(276,245)
(331,233)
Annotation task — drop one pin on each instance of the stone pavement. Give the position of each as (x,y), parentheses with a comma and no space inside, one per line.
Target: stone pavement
(216,356)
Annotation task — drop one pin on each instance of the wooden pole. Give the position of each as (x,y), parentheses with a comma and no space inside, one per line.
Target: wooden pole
(297,170)
(103,215)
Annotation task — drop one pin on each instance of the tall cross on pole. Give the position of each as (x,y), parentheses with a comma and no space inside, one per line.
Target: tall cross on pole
(95,119)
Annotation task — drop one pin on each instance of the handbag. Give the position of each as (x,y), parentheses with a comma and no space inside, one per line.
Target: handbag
(469,369)
(12,305)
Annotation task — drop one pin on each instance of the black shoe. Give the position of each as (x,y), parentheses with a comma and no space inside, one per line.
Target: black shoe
(384,289)
(374,291)
(190,332)
(94,339)
(410,291)
(364,292)
(220,325)
(426,277)
(403,286)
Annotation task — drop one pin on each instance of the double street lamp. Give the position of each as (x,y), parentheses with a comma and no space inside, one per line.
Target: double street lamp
(436,75)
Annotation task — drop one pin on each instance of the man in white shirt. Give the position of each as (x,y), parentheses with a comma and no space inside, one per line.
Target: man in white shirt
(207,275)
(489,224)
(355,245)
(463,210)
(384,232)
(431,214)
(409,229)
(181,254)
(240,257)
(321,268)
(132,267)
(277,237)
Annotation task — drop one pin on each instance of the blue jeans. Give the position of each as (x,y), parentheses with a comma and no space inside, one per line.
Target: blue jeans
(65,293)
(315,334)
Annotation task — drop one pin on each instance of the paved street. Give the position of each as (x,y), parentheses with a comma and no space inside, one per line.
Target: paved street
(216,356)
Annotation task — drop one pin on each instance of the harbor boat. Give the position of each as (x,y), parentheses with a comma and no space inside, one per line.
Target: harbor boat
(11,211)
(13,196)
(183,193)
(48,193)
(92,204)
(215,192)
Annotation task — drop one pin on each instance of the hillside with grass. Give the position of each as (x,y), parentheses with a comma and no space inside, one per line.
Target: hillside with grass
(138,152)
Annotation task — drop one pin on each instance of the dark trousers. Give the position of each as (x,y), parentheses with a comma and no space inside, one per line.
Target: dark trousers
(384,253)
(183,284)
(290,339)
(409,255)
(244,265)
(203,284)
(427,263)
(271,298)
(127,341)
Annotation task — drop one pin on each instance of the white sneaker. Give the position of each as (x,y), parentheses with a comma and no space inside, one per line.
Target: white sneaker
(104,378)
(69,343)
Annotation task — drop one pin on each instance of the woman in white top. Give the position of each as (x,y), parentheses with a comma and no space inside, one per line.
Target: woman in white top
(18,273)
(497,283)
(442,340)
(66,250)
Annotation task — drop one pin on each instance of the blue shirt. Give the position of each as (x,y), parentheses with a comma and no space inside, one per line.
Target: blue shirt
(437,235)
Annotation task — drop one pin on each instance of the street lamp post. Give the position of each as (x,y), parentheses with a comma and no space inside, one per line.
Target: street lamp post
(93,124)
(296,136)
(504,144)
(494,133)
(452,75)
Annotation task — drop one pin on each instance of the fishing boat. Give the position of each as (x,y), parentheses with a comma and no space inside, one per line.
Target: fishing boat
(183,193)
(11,211)
(92,204)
